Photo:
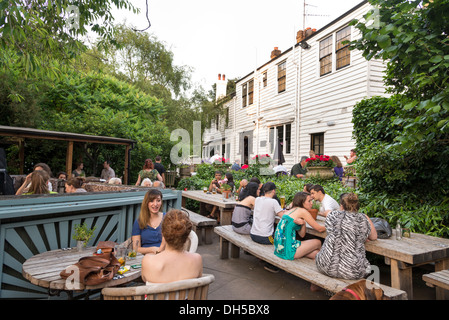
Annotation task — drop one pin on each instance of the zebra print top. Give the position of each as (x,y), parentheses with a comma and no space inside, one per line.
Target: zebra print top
(343,252)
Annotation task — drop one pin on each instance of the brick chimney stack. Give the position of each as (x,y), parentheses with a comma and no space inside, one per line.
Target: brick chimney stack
(275,53)
(302,34)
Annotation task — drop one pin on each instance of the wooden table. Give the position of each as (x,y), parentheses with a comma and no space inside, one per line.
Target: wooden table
(43,270)
(226,206)
(403,255)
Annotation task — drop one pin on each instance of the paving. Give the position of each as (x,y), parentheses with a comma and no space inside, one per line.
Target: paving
(246,279)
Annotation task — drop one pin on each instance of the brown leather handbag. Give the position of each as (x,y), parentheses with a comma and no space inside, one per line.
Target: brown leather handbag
(93,270)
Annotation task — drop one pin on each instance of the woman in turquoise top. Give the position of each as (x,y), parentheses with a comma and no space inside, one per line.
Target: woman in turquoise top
(286,246)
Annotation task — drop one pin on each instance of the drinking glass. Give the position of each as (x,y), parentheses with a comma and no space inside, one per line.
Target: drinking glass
(120,254)
(132,252)
(282,198)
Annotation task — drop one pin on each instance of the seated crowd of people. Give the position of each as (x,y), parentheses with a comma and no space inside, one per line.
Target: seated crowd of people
(162,236)
(341,255)
(39,181)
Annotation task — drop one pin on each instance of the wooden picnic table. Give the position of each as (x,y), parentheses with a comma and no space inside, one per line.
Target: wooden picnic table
(403,255)
(43,270)
(225,206)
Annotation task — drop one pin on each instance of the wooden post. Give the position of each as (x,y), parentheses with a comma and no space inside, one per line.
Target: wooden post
(401,277)
(126,175)
(21,155)
(69,159)
(442,294)
(224,248)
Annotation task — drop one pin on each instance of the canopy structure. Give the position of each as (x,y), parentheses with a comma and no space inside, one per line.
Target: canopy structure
(71,138)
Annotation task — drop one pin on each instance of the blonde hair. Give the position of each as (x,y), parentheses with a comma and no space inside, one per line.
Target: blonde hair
(176,228)
(145,214)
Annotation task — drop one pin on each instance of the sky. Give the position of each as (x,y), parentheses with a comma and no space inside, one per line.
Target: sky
(231,37)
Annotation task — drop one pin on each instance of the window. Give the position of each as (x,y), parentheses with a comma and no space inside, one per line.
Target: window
(284,135)
(342,49)
(288,138)
(282,76)
(317,143)
(248,93)
(244,94)
(265,79)
(326,56)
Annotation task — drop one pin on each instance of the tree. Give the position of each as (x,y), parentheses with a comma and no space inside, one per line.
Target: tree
(98,104)
(42,30)
(412,37)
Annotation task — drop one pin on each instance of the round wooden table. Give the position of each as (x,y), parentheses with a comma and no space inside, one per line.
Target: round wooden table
(43,270)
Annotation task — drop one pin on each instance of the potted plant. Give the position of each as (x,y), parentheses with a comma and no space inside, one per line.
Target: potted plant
(314,211)
(82,235)
(320,166)
(225,190)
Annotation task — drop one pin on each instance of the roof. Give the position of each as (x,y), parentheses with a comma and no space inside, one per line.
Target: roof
(56,135)
(362,3)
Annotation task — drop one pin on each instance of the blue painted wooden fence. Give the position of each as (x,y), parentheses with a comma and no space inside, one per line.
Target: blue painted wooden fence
(34,224)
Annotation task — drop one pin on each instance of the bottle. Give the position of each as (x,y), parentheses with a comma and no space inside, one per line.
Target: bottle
(398,231)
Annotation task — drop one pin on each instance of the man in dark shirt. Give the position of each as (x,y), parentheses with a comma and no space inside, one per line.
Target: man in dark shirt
(160,168)
(299,170)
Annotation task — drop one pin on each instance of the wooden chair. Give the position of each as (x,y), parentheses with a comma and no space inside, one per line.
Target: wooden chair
(349,176)
(190,289)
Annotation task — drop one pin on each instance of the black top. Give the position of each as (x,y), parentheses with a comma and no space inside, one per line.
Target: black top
(159,167)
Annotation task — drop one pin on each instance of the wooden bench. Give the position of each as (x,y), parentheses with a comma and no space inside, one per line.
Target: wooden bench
(440,280)
(303,268)
(201,223)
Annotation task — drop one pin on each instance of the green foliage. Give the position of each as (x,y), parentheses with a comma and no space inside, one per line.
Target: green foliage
(411,36)
(102,105)
(40,31)
(83,232)
(427,215)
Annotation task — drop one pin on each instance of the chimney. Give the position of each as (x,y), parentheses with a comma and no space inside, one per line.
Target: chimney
(220,87)
(302,34)
(275,53)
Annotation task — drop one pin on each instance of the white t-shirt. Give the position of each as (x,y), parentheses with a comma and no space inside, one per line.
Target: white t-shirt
(329,203)
(265,210)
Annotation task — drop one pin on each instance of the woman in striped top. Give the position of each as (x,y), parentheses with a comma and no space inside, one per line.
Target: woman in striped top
(343,252)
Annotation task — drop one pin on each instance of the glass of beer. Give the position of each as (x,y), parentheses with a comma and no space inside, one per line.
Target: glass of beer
(214,190)
(205,189)
(282,198)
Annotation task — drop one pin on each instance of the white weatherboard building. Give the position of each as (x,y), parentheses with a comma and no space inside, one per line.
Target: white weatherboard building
(304,96)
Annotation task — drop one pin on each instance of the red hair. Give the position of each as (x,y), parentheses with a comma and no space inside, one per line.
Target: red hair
(148,164)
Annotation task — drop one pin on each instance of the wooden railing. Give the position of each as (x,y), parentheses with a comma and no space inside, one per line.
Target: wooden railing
(34,224)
